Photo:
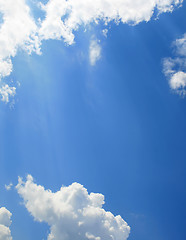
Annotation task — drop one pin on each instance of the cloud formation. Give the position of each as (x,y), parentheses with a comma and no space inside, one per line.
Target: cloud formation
(71,212)
(19,29)
(175,68)
(5,222)
(65,16)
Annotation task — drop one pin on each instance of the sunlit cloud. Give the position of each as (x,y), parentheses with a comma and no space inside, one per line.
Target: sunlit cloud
(71,212)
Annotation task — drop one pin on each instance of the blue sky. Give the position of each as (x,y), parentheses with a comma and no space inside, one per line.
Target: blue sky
(116,127)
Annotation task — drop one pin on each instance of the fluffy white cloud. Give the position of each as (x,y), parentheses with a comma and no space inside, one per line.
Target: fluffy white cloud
(19,30)
(65,16)
(178,80)
(72,213)
(94,51)
(5,222)
(175,68)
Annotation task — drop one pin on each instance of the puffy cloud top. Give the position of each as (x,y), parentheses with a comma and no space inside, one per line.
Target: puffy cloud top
(72,213)
(5,222)
(64,16)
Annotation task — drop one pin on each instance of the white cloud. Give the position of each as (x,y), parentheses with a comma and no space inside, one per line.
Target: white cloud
(5,67)
(19,30)
(94,51)
(71,212)
(6,92)
(65,16)
(175,68)
(178,80)
(5,222)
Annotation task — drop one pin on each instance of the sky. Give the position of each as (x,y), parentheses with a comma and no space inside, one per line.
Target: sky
(92,120)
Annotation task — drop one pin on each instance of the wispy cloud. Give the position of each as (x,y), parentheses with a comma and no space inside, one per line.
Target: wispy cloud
(9,186)
(175,68)
(6,92)
(71,212)
(94,51)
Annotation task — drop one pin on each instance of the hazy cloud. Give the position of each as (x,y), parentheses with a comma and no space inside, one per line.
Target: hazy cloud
(94,51)
(71,212)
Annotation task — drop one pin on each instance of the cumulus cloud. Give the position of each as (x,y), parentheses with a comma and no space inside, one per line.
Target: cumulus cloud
(65,16)
(5,222)
(71,212)
(175,68)
(19,30)
(94,52)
